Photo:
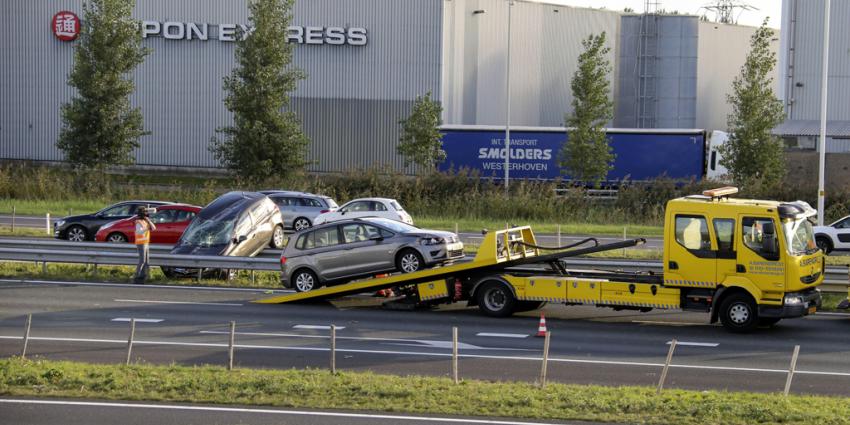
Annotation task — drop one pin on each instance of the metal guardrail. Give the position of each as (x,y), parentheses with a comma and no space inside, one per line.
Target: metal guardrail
(56,251)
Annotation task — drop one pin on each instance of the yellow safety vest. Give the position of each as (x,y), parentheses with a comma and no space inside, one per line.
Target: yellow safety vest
(143,233)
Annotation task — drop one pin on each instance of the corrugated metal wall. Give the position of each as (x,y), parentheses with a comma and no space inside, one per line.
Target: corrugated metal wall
(807,45)
(349,105)
(545,44)
(670,77)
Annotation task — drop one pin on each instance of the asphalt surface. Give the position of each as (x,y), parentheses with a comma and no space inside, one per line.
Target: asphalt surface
(88,322)
(87,412)
(466,237)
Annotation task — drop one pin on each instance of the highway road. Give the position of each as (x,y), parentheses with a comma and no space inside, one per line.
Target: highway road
(89,322)
(87,412)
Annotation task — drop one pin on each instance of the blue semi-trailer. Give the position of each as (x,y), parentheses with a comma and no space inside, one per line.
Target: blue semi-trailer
(641,154)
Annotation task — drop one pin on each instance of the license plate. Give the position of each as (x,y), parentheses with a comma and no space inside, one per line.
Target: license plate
(812,310)
(455,246)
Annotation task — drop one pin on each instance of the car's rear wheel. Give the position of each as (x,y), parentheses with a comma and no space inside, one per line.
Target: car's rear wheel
(409,261)
(116,238)
(300,224)
(76,234)
(495,299)
(824,244)
(304,281)
(278,238)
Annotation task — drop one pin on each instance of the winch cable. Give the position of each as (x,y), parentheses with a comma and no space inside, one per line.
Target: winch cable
(559,248)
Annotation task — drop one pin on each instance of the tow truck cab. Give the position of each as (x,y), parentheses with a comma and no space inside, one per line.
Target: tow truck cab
(748,262)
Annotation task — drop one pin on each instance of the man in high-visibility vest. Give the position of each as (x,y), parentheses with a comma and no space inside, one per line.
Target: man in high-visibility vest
(144,225)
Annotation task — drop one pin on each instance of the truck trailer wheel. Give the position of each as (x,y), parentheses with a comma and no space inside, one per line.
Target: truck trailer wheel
(495,299)
(738,313)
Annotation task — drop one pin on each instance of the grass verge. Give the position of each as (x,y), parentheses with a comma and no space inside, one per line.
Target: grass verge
(27,232)
(319,389)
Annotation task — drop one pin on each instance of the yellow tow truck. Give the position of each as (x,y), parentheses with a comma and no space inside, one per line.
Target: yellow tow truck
(746,262)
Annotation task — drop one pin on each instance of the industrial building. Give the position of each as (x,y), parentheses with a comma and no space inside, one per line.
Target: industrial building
(367,61)
(801,65)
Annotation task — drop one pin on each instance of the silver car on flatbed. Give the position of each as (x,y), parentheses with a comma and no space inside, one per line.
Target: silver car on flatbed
(300,209)
(348,249)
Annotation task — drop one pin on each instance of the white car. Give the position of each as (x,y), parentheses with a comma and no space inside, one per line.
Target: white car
(366,207)
(834,236)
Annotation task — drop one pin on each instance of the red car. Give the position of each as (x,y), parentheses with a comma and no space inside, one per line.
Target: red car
(170,220)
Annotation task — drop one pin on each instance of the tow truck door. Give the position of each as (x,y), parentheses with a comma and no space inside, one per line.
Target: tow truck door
(725,237)
(759,266)
(691,261)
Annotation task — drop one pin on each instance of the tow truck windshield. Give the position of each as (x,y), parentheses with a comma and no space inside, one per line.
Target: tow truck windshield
(799,236)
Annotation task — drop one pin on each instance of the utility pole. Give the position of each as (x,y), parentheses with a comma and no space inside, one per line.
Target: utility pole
(508,103)
(823,92)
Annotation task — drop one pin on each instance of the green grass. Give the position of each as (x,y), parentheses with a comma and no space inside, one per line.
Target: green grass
(55,208)
(77,272)
(319,389)
(28,232)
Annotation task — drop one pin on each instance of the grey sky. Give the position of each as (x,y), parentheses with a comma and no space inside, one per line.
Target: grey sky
(766,8)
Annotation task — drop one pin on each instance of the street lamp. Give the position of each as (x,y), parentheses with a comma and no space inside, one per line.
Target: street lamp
(822,141)
(508,102)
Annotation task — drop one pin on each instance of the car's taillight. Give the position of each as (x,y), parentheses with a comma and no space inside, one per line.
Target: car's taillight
(282,260)
(324,211)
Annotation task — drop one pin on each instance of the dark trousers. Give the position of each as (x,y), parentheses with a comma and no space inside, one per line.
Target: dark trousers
(143,266)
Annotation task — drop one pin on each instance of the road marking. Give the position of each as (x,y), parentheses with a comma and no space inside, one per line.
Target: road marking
(432,354)
(132,285)
(826,313)
(175,302)
(267,411)
(317,327)
(695,344)
(658,322)
(127,319)
(498,335)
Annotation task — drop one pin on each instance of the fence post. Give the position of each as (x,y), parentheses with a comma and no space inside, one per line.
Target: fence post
(94,270)
(454,354)
(559,235)
(456,232)
(333,349)
(47,223)
(624,238)
(666,366)
(252,277)
(130,340)
(44,267)
(230,345)
(26,336)
(791,370)
(200,273)
(13,218)
(545,360)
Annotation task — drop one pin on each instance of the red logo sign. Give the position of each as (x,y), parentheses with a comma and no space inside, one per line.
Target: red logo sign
(66,26)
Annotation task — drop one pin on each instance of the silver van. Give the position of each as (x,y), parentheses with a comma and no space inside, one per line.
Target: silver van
(299,209)
(348,249)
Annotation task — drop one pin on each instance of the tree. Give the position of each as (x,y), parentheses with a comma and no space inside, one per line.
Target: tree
(99,128)
(266,138)
(421,140)
(586,156)
(752,152)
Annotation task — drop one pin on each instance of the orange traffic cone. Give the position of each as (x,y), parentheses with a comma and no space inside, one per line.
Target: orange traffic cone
(541,329)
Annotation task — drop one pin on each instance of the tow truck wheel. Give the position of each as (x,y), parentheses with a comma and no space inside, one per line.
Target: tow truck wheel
(305,281)
(738,313)
(496,300)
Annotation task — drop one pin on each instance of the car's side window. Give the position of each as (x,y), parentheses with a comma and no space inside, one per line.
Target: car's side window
(183,215)
(358,206)
(372,231)
(326,237)
(354,233)
(378,206)
(305,241)
(386,233)
(310,202)
(164,216)
(281,202)
(843,224)
(117,211)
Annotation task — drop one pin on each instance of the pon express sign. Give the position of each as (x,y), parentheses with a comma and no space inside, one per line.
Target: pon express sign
(172,30)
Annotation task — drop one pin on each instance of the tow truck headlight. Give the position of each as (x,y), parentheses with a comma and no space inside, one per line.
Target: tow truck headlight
(431,241)
(793,300)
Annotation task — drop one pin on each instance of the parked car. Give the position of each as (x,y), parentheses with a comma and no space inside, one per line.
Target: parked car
(835,236)
(79,228)
(352,248)
(367,207)
(299,209)
(238,224)
(170,221)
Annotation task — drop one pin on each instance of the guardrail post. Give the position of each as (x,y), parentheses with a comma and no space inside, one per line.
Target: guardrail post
(666,366)
(47,223)
(454,355)
(200,273)
(456,232)
(559,235)
(333,349)
(545,360)
(130,339)
(624,238)
(44,267)
(94,271)
(13,218)
(252,277)
(791,370)
(26,336)
(230,345)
